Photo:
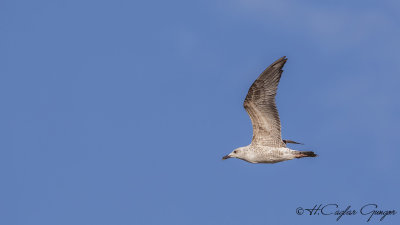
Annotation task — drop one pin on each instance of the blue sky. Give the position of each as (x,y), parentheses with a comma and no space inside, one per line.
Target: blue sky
(118,112)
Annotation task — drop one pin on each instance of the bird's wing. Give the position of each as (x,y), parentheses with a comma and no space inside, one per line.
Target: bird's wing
(261,107)
(292,142)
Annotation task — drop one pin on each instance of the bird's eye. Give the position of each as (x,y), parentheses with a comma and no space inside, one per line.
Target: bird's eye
(235,151)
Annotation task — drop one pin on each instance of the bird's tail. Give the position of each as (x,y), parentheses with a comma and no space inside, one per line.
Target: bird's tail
(301,154)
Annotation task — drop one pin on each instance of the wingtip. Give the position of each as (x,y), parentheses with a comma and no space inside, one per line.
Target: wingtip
(283,58)
(280,62)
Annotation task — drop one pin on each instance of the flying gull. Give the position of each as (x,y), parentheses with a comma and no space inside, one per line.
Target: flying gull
(267,145)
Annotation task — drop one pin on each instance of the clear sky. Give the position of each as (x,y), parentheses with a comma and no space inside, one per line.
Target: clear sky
(118,112)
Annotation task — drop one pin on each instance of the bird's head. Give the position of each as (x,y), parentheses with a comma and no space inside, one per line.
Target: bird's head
(239,153)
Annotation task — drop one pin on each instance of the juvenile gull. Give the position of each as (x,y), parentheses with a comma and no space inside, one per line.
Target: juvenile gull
(267,145)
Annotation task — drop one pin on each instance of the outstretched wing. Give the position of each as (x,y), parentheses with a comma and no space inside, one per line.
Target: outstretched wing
(261,107)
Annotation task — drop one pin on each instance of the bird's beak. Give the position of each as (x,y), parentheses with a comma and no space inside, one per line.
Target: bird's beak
(226,157)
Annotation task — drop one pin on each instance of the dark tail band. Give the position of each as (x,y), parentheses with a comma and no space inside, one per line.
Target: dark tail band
(306,154)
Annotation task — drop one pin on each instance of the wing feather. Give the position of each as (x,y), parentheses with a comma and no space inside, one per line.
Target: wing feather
(261,107)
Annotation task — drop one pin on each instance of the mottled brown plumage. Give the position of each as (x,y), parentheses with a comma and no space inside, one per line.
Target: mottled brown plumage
(261,107)
(267,145)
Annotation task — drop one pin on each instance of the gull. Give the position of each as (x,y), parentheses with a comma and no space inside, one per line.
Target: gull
(267,145)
